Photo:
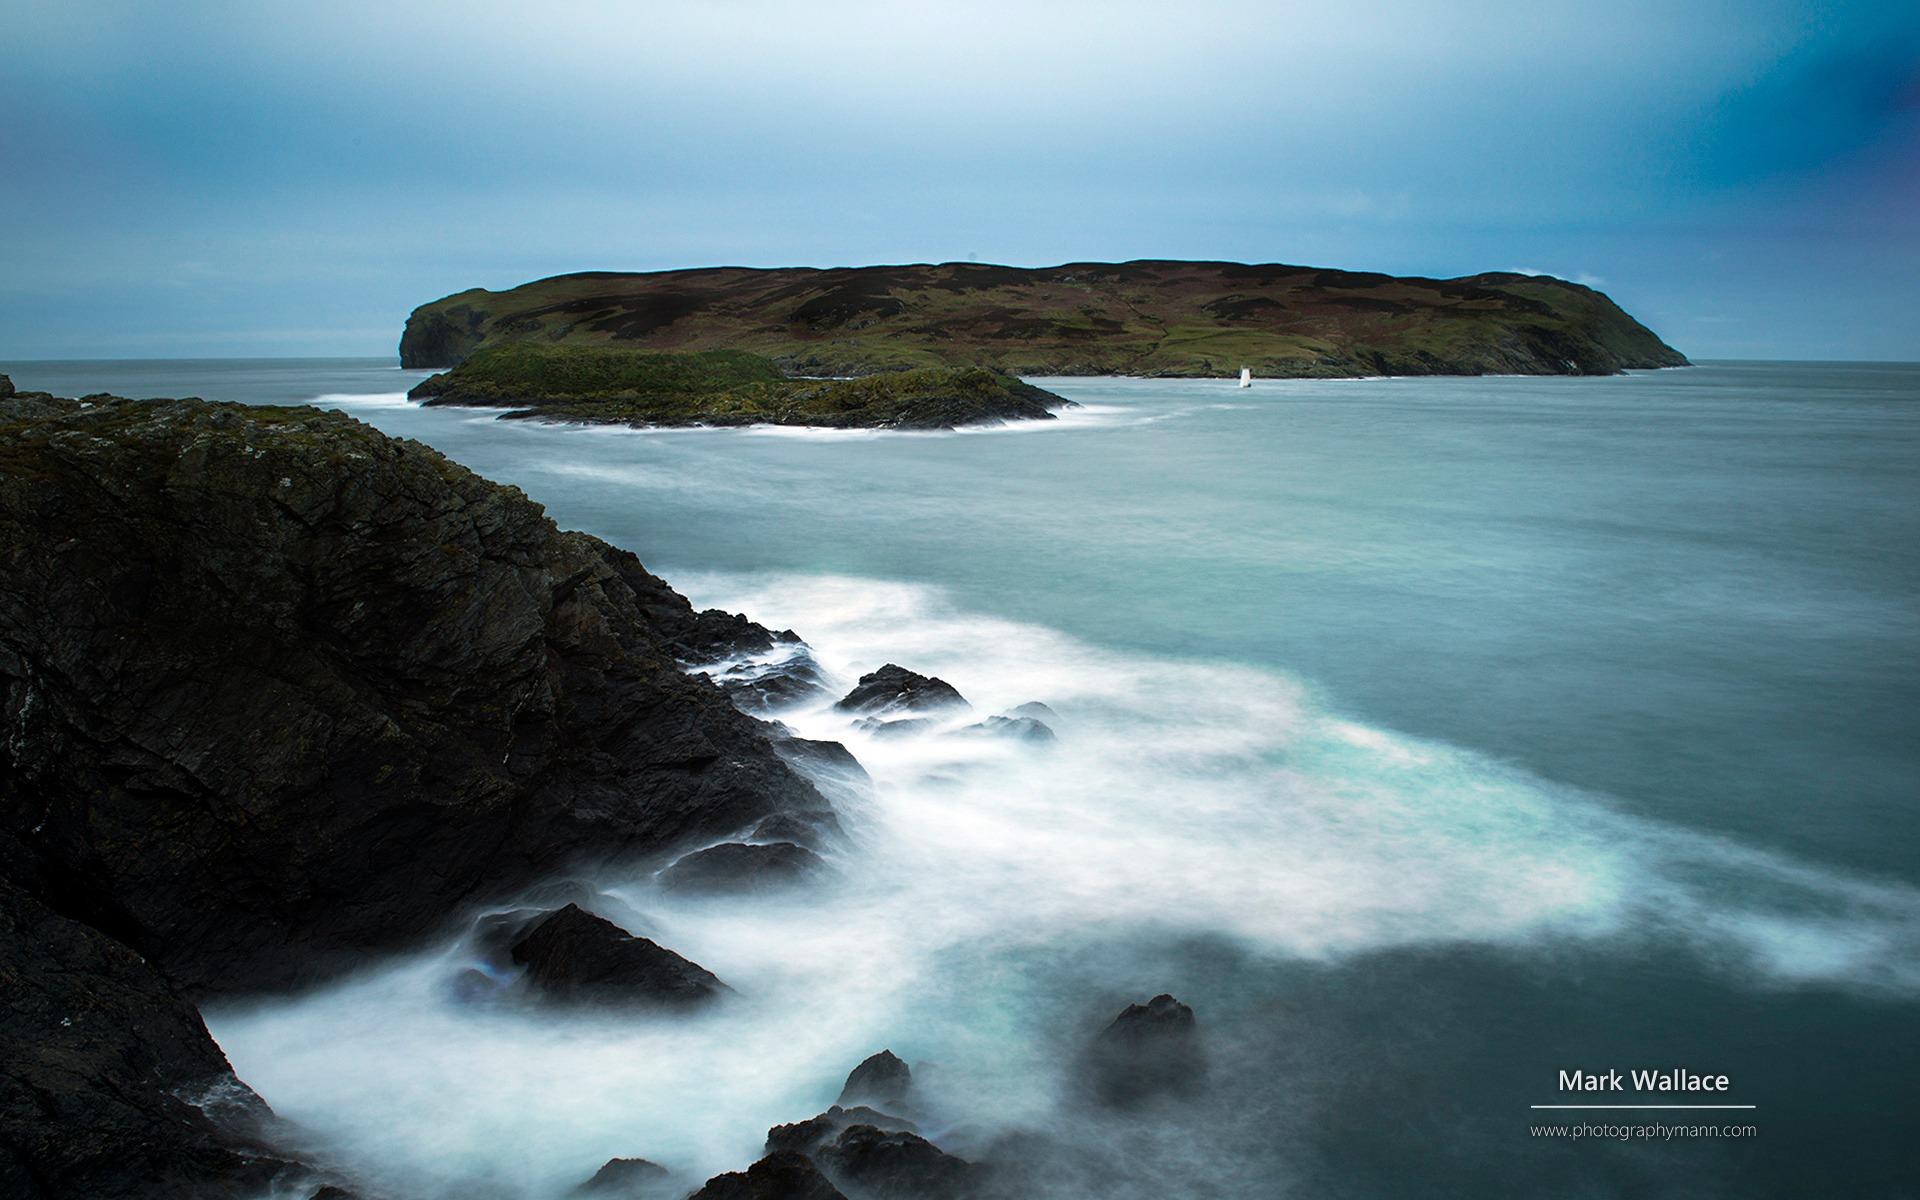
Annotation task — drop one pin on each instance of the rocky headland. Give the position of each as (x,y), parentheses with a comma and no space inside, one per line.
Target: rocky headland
(279,694)
(1149,317)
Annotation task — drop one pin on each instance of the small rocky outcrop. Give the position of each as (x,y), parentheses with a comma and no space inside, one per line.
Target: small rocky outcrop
(1150,1050)
(576,957)
(804,1137)
(887,1164)
(881,1081)
(894,690)
(1019,729)
(904,727)
(627,1179)
(1035,710)
(781,1175)
(743,867)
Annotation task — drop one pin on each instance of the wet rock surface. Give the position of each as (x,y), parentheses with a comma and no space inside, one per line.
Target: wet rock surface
(101,1064)
(895,690)
(573,956)
(1019,729)
(807,829)
(628,1179)
(809,1135)
(1150,1050)
(279,693)
(867,1161)
(903,727)
(743,867)
(781,1175)
(881,1081)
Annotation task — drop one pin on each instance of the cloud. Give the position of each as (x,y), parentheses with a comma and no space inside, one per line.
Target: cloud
(1582,278)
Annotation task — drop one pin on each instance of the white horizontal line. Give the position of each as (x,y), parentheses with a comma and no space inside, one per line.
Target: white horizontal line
(1690,1106)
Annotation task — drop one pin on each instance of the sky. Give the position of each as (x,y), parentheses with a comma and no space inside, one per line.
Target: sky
(242,179)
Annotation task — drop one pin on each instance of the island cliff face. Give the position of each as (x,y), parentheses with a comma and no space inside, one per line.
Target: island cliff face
(279,693)
(1134,318)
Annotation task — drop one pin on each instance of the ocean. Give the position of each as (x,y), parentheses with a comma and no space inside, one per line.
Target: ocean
(1430,737)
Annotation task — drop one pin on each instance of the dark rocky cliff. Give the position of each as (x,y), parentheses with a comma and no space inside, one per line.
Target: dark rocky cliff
(279,693)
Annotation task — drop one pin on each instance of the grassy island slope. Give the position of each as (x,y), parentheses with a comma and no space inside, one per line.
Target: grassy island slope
(608,385)
(1136,318)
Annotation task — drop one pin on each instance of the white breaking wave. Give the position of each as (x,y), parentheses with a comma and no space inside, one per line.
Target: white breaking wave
(351,401)
(985,878)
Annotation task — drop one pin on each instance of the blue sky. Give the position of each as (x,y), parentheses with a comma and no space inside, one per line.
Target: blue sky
(213,179)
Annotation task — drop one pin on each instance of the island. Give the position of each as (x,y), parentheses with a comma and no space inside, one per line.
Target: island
(622,386)
(1142,318)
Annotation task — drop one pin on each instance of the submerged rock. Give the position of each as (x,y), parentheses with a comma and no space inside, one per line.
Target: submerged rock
(574,956)
(882,1080)
(884,1164)
(1023,729)
(894,689)
(1037,711)
(627,1179)
(1149,1050)
(904,727)
(781,1175)
(743,867)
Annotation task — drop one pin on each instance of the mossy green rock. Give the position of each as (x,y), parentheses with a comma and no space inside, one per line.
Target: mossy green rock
(1134,318)
(724,387)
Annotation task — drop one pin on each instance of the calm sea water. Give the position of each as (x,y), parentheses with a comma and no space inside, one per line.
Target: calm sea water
(1429,736)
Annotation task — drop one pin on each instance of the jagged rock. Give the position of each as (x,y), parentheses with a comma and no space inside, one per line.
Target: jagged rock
(278,691)
(474,986)
(888,1164)
(6,387)
(627,1179)
(804,1137)
(101,1065)
(765,687)
(882,1080)
(779,1176)
(1024,729)
(575,956)
(894,689)
(493,934)
(1149,1050)
(742,867)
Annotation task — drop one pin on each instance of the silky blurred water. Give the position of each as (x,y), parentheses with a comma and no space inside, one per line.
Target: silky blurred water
(1429,736)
